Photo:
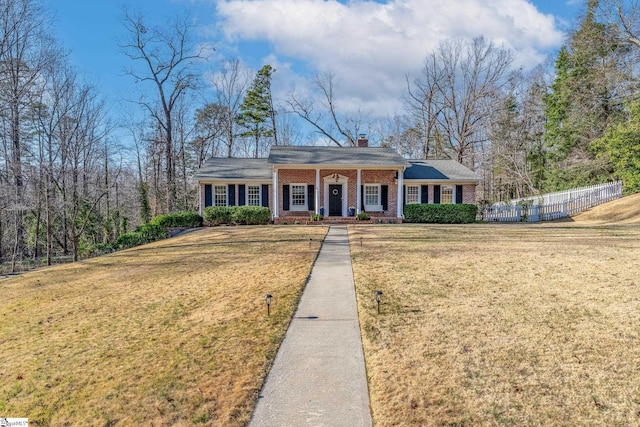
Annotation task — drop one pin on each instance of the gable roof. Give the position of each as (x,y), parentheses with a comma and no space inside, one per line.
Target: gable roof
(242,169)
(339,156)
(235,169)
(439,169)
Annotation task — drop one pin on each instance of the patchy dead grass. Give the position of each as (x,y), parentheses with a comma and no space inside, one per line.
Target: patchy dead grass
(172,333)
(625,210)
(500,324)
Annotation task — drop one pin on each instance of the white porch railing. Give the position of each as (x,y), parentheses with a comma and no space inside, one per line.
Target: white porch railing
(552,206)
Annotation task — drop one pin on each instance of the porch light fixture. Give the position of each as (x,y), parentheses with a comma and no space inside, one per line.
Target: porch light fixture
(336,177)
(267,300)
(378,295)
(395,179)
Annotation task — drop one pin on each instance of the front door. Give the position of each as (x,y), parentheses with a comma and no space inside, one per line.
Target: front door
(335,200)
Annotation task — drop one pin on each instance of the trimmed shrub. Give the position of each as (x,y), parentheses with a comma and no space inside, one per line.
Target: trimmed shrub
(250,215)
(152,232)
(217,215)
(440,214)
(129,240)
(245,215)
(182,219)
(363,216)
(146,233)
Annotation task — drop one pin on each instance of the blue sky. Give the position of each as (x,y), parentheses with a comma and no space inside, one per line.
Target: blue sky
(369,45)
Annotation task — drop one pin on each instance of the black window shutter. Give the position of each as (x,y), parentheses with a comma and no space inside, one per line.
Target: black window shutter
(265,195)
(241,195)
(458,194)
(208,195)
(285,197)
(311,198)
(404,192)
(362,197)
(384,196)
(436,194)
(424,194)
(231,196)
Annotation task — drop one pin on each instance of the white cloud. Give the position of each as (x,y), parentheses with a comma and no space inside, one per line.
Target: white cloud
(371,45)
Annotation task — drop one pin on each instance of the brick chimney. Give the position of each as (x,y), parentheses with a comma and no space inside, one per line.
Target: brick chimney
(362,140)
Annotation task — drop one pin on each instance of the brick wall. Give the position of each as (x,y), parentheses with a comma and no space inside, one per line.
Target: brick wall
(383,177)
(469,194)
(236,193)
(303,176)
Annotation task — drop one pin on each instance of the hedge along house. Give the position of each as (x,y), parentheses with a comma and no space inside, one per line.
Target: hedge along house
(297,181)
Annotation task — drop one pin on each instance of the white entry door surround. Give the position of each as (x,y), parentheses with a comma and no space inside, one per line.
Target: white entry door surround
(333,180)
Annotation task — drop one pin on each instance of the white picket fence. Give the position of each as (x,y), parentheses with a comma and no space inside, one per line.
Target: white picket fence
(552,206)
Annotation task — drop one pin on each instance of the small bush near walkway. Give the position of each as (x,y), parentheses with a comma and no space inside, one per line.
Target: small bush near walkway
(245,215)
(441,214)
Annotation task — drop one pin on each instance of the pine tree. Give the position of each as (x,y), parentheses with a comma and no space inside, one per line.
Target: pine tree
(583,102)
(621,146)
(256,112)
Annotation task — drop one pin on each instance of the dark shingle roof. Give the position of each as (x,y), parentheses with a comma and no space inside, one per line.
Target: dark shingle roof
(439,169)
(234,169)
(339,156)
(223,168)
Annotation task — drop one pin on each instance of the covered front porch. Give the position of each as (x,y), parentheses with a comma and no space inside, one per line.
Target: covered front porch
(337,192)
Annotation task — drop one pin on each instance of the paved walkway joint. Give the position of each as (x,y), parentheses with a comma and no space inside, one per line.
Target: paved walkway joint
(319,377)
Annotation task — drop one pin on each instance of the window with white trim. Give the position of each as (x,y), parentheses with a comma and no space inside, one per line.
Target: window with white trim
(254,195)
(413,194)
(446,195)
(220,195)
(372,197)
(298,197)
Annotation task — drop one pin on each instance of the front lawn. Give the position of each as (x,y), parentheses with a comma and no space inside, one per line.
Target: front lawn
(170,333)
(500,324)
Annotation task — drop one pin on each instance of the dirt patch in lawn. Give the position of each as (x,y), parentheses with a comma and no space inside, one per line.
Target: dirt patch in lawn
(172,333)
(500,324)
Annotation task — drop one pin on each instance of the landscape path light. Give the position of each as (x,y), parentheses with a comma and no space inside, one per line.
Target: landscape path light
(267,300)
(378,295)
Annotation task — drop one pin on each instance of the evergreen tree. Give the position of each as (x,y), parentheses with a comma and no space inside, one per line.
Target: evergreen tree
(256,112)
(621,146)
(583,102)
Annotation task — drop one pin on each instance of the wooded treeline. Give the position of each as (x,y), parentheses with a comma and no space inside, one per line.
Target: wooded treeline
(69,186)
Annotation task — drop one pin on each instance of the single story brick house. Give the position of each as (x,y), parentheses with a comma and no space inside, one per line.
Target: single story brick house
(297,181)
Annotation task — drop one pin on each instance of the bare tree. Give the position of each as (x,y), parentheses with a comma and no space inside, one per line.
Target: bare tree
(623,17)
(327,120)
(512,163)
(425,102)
(455,96)
(25,52)
(230,84)
(287,128)
(167,60)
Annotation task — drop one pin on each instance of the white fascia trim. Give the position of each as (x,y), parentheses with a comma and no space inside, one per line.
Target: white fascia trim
(437,181)
(350,166)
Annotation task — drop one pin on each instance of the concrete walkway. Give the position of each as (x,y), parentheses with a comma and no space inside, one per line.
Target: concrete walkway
(318,377)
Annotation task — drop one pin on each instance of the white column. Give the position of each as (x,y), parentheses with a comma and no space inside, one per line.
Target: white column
(359,191)
(317,193)
(201,199)
(275,193)
(400,192)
